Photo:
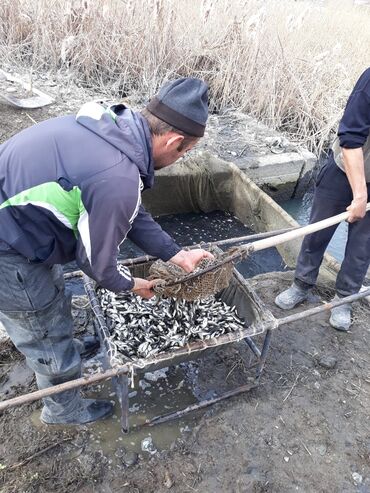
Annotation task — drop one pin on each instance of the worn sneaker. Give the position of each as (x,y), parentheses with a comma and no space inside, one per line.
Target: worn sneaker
(340,317)
(87,411)
(291,297)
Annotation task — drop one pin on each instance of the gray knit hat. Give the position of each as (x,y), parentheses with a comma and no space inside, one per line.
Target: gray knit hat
(182,103)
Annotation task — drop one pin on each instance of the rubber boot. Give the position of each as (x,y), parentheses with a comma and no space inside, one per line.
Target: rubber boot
(68,407)
(85,411)
(340,318)
(292,296)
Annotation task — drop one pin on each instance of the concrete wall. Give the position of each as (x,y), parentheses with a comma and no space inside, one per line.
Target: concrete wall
(278,166)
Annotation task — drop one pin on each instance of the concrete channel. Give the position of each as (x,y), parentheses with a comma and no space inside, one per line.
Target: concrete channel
(206,183)
(278,166)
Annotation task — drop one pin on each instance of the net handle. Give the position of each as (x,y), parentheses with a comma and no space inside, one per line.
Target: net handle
(303,231)
(243,251)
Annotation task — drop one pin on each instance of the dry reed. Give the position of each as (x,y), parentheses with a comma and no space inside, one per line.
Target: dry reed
(289,63)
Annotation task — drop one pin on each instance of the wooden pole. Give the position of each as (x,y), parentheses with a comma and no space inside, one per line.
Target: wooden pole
(244,251)
(56,389)
(303,231)
(147,258)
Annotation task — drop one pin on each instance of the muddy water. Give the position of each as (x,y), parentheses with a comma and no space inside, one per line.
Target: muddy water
(154,394)
(15,376)
(163,391)
(157,393)
(176,387)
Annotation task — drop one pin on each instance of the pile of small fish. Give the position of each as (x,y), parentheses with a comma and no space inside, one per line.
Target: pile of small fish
(142,328)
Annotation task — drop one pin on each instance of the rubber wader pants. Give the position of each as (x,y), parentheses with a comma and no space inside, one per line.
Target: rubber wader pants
(36,313)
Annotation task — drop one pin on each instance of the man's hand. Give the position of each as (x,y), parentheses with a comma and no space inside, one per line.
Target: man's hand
(357,209)
(189,259)
(144,288)
(353,160)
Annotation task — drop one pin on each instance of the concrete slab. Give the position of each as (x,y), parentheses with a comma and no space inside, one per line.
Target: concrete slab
(277,165)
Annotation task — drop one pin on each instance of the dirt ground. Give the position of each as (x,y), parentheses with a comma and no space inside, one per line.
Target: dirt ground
(304,429)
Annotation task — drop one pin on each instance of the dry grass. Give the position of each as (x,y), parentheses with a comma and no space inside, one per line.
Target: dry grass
(290,63)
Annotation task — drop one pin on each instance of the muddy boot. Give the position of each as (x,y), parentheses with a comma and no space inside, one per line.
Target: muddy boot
(85,411)
(292,296)
(340,317)
(68,407)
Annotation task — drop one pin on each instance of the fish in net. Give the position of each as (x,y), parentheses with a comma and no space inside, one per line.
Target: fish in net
(210,277)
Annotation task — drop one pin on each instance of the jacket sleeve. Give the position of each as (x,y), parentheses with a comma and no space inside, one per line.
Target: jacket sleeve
(150,237)
(354,126)
(108,206)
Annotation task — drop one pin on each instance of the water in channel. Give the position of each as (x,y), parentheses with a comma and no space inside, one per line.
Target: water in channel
(192,228)
(300,210)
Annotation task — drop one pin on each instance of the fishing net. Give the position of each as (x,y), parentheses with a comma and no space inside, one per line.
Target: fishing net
(176,283)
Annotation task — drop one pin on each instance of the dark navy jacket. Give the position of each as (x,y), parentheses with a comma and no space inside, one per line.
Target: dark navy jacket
(354,127)
(70,188)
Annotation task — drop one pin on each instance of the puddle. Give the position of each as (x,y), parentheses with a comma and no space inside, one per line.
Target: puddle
(170,392)
(161,392)
(154,394)
(19,374)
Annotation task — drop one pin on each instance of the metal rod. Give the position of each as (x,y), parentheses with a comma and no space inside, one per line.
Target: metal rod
(122,392)
(200,405)
(253,347)
(120,382)
(147,258)
(265,348)
(322,308)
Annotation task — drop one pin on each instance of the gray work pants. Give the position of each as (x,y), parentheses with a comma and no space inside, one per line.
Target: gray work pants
(332,196)
(36,313)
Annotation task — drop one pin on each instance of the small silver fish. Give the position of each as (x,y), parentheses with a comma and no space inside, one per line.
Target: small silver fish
(143,328)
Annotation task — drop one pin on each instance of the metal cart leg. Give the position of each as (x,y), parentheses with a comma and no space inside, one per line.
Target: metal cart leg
(253,347)
(122,394)
(264,352)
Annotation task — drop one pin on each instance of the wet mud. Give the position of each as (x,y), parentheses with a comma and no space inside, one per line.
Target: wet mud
(305,428)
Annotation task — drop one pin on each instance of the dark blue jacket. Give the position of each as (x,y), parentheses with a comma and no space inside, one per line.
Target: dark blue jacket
(70,188)
(354,126)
